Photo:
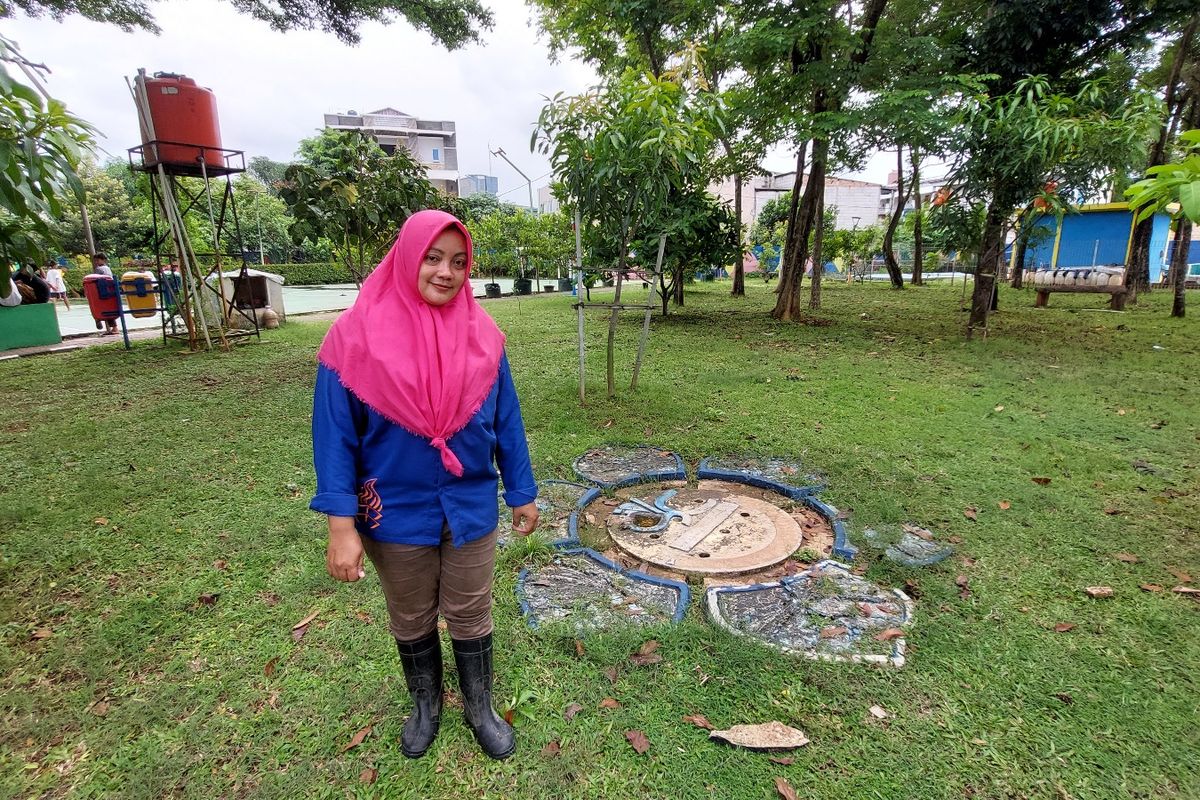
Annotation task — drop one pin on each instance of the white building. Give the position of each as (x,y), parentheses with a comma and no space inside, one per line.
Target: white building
(858,203)
(547,202)
(433,143)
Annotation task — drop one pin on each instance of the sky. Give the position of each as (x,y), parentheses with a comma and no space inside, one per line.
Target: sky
(272,88)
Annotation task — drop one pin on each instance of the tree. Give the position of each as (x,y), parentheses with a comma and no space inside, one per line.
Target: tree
(452,23)
(620,153)
(1176,182)
(41,145)
(120,221)
(1018,140)
(263,219)
(269,173)
(355,195)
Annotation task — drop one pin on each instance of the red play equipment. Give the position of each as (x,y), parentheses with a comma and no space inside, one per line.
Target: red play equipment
(101,294)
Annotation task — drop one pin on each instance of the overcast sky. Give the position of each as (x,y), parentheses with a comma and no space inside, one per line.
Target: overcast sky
(273,88)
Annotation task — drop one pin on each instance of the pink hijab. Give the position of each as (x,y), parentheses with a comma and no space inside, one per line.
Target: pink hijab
(425,368)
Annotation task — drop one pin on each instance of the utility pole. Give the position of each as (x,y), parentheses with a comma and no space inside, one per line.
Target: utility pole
(499,151)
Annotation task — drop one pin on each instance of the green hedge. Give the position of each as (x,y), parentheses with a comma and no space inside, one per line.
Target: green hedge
(311,274)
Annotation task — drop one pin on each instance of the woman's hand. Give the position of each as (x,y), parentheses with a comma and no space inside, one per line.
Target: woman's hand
(525,519)
(344,555)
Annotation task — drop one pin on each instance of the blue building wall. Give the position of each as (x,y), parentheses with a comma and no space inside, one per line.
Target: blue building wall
(1099,238)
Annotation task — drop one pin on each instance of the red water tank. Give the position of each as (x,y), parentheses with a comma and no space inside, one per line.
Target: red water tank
(101,294)
(183,112)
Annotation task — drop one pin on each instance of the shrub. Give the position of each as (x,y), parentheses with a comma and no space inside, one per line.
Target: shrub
(311,274)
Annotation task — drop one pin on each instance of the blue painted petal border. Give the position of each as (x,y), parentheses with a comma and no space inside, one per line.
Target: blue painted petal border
(685,594)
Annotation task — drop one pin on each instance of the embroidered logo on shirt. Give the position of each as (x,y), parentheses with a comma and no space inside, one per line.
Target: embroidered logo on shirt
(370,504)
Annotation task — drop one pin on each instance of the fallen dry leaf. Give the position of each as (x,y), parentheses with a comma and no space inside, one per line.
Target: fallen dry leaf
(304,622)
(648,647)
(1120,412)
(100,709)
(1150,587)
(833,631)
(912,589)
(1128,558)
(552,749)
(571,711)
(638,741)
(363,616)
(887,634)
(611,673)
(998,408)
(878,712)
(1063,627)
(608,423)
(918,531)
(784,788)
(208,599)
(772,735)
(269,598)
(579,651)
(1065,698)
(357,739)
(1041,481)
(1098,592)
(784,761)
(1186,590)
(1180,575)
(101,521)
(298,633)
(699,720)
(269,669)
(508,715)
(954,539)
(41,633)
(609,702)
(971,513)
(1112,511)
(1004,505)
(645,660)
(368,775)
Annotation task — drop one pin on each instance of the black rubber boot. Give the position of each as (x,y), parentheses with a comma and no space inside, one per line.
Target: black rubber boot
(474,660)
(422,660)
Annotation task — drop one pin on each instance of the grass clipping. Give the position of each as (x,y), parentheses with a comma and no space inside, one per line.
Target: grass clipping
(768,736)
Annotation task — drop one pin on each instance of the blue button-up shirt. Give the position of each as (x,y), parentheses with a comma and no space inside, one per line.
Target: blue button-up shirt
(394,483)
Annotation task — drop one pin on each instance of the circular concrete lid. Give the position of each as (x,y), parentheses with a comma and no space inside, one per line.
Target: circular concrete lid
(713,529)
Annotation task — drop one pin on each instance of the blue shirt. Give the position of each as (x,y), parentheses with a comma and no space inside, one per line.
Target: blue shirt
(393,482)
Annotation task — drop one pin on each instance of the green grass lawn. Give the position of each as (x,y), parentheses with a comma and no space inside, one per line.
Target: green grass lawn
(156,550)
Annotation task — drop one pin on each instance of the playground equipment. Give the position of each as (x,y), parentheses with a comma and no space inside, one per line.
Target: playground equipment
(181,152)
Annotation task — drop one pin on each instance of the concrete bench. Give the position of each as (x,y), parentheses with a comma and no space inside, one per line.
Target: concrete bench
(28,326)
(1116,300)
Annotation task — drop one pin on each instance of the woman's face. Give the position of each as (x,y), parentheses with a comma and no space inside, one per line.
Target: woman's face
(443,269)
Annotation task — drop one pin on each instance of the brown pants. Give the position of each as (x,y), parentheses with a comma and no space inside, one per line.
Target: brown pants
(418,581)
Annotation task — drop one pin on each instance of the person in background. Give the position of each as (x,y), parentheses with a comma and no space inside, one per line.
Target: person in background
(414,409)
(31,285)
(58,286)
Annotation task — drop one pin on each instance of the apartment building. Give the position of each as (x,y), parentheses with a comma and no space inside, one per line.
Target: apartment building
(858,203)
(433,143)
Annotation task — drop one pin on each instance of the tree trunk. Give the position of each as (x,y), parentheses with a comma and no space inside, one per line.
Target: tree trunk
(677,285)
(814,297)
(739,273)
(889,254)
(791,279)
(1179,263)
(918,244)
(991,250)
(1026,225)
(664,290)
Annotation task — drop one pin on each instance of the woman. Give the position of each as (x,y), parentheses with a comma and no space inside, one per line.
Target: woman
(414,406)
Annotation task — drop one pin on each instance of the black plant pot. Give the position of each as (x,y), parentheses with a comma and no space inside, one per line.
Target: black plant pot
(491,290)
(522,286)
(565,284)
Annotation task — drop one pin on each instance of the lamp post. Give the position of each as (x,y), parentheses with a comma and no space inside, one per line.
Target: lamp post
(499,151)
